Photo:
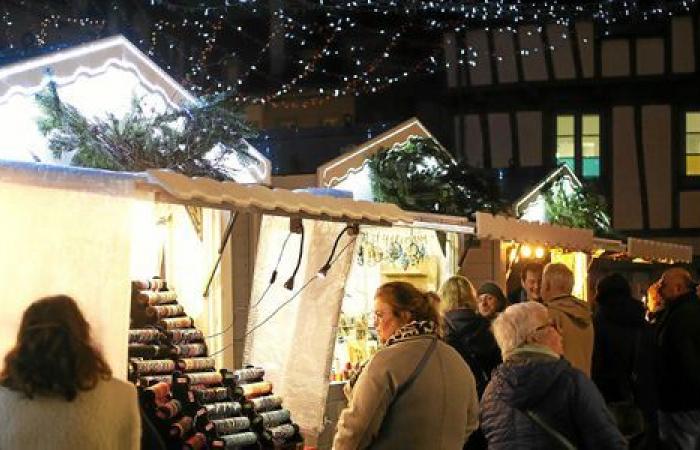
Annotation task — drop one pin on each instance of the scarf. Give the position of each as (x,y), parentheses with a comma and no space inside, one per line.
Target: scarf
(411,329)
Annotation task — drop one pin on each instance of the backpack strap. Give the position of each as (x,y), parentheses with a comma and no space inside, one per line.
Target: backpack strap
(419,368)
(559,438)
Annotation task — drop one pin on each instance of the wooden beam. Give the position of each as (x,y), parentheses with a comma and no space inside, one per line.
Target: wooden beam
(492,56)
(486,138)
(548,62)
(639,145)
(514,139)
(576,50)
(518,57)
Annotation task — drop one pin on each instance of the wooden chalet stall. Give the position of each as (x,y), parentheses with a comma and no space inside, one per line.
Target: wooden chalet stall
(306,258)
(105,77)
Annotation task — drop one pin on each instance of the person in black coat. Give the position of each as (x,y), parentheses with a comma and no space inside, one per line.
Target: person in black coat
(469,334)
(536,399)
(678,347)
(623,360)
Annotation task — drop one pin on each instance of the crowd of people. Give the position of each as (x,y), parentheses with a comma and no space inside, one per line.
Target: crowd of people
(466,368)
(544,369)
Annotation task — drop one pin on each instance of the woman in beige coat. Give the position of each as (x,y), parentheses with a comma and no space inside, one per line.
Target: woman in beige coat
(390,407)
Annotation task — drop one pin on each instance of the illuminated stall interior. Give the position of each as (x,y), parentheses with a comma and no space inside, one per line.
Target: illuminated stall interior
(422,257)
(517,242)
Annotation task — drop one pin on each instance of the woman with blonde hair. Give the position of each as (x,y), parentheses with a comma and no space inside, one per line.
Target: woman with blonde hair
(56,389)
(416,392)
(470,334)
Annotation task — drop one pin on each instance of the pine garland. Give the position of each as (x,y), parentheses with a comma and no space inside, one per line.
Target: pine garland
(419,175)
(194,141)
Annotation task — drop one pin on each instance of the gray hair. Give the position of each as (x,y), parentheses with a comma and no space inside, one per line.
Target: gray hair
(559,277)
(515,324)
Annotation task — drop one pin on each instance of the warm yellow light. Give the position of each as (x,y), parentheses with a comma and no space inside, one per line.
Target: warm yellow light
(526,251)
(539,252)
(512,254)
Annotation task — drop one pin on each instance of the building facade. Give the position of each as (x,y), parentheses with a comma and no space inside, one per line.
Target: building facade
(621,109)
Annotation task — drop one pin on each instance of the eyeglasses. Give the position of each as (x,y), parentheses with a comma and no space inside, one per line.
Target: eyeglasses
(550,323)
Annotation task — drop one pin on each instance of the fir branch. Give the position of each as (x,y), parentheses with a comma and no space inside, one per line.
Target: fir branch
(420,175)
(195,140)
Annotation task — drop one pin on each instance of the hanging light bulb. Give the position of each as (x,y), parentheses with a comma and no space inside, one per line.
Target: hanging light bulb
(539,252)
(526,251)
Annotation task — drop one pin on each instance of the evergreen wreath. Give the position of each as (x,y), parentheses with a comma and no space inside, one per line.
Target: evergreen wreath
(419,175)
(195,140)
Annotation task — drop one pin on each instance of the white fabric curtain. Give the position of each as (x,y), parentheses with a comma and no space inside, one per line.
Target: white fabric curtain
(295,345)
(67,242)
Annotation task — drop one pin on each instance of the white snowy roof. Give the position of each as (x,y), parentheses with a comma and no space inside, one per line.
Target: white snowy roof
(256,198)
(98,78)
(510,229)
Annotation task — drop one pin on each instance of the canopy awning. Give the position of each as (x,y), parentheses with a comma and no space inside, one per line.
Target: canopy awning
(659,251)
(505,228)
(177,188)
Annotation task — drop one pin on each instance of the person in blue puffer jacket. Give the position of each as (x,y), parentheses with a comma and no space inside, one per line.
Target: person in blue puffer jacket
(536,399)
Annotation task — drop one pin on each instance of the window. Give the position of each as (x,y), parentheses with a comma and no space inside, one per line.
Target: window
(565,141)
(578,143)
(692,144)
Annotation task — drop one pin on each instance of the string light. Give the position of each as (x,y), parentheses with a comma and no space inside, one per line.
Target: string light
(200,35)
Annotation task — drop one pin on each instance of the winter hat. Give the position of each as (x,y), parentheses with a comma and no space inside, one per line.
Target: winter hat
(492,288)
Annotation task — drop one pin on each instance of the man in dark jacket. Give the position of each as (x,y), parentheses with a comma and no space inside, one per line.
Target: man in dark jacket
(623,359)
(678,346)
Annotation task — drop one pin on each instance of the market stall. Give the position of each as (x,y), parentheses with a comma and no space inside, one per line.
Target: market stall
(105,78)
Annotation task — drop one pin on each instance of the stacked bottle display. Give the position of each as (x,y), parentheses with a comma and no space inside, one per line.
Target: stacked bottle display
(268,417)
(192,405)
